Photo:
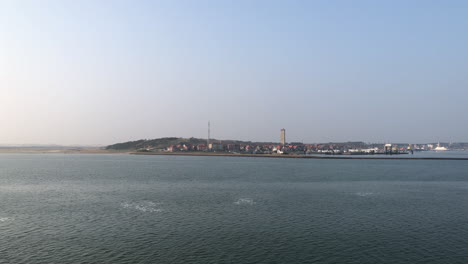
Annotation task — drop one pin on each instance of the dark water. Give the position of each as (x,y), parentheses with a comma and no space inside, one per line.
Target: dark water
(60,208)
(441,154)
(416,154)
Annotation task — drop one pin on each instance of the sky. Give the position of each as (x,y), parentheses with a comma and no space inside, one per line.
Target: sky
(100,72)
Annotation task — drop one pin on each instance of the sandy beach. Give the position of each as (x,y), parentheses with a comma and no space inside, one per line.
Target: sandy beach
(62,150)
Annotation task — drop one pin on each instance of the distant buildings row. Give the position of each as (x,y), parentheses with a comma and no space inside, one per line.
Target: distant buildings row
(300,148)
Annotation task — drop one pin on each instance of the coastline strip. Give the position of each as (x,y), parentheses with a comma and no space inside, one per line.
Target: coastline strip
(288,156)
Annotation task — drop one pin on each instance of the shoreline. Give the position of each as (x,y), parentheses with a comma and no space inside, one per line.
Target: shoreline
(206,154)
(215,154)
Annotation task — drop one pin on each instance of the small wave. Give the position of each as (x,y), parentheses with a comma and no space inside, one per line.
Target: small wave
(244,201)
(6,219)
(364,194)
(144,206)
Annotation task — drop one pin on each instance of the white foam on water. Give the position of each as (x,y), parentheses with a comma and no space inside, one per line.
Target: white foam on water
(245,201)
(6,219)
(143,206)
(364,194)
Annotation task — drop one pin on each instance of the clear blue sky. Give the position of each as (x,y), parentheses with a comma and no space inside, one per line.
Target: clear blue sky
(100,72)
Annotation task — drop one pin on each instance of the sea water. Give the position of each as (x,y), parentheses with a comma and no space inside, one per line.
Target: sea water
(84,208)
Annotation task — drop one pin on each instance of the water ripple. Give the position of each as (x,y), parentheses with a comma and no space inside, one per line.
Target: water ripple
(6,219)
(364,194)
(143,206)
(245,201)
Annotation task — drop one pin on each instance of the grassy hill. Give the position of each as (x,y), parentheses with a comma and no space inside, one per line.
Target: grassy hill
(154,143)
(161,143)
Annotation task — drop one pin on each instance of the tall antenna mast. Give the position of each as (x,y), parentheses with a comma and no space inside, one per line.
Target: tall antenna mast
(208,141)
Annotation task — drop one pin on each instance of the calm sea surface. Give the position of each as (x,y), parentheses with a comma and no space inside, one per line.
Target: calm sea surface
(59,208)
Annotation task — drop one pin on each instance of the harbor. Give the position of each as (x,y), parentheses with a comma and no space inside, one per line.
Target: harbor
(462,155)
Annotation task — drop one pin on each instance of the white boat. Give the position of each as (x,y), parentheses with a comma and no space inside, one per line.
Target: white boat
(439,148)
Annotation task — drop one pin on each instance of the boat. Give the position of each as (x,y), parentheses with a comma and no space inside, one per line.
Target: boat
(439,148)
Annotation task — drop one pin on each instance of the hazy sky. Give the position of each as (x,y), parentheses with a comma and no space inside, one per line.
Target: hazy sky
(100,72)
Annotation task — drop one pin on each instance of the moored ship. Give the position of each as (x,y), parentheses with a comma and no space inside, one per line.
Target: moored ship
(439,148)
